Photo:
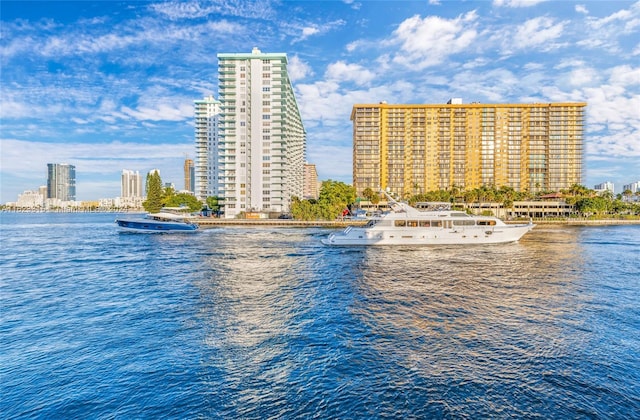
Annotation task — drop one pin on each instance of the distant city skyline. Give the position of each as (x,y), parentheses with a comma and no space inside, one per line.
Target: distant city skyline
(111,85)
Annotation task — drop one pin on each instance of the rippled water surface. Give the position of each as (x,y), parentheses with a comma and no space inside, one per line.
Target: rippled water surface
(269,323)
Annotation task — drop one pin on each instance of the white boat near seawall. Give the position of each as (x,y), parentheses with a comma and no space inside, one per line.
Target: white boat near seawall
(436,225)
(169,219)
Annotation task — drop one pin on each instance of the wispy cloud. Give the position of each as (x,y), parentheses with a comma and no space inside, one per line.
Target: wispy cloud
(177,10)
(516,3)
(303,31)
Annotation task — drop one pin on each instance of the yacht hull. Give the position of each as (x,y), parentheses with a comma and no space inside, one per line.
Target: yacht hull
(151,226)
(477,235)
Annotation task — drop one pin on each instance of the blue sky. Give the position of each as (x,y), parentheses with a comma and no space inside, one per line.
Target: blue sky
(110,85)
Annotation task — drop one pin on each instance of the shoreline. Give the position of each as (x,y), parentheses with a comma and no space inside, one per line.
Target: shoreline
(209,222)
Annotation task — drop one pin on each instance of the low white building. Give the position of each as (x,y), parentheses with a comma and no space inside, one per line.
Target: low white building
(605,186)
(30,200)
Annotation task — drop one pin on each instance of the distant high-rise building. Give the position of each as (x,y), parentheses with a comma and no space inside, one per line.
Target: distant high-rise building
(605,186)
(310,182)
(634,187)
(131,184)
(189,175)
(262,140)
(61,181)
(412,149)
(207,164)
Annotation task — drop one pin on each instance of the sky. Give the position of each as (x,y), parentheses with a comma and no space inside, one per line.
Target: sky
(111,85)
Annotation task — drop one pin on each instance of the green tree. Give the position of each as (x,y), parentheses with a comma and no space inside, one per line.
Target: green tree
(334,197)
(368,193)
(337,192)
(155,194)
(183,199)
(303,209)
(593,205)
(213,203)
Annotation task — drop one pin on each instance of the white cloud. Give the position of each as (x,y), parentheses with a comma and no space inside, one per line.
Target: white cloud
(122,36)
(176,10)
(298,69)
(429,41)
(619,16)
(354,5)
(581,8)
(625,75)
(605,33)
(494,86)
(516,3)
(343,72)
(537,32)
(308,31)
(353,46)
(304,31)
(160,112)
(584,76)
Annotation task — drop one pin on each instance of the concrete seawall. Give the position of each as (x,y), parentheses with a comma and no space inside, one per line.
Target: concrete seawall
(337,224)
(334,224)
(589,222)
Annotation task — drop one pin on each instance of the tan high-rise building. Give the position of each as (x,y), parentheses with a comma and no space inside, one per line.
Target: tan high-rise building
(412,149)
(310,187)
(189,175)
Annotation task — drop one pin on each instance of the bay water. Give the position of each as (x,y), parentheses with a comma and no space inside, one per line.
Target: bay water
(255,323)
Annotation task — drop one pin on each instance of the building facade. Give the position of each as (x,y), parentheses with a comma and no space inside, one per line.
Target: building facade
(207,164)
(31,200)
(310,190)
(61,181)
(189,175)
(634,187)
(131,184)
(605,186)
(412,149)
(261,137)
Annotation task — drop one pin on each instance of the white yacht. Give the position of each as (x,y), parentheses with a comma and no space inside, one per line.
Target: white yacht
(437,224)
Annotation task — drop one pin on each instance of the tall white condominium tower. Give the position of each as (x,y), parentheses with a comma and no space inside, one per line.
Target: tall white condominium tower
(262,139)
(131,184)
(207,165)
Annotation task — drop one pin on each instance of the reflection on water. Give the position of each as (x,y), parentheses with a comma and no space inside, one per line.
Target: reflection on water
(260,323)
(448,330)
